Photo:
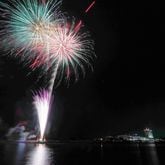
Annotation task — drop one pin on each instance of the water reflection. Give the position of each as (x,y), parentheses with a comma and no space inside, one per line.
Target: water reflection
(152,154)
(20,153)
(81,154)
(40,155)
(14,153)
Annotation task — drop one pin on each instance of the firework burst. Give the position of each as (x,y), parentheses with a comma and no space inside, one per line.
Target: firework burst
(25,23)
(69,50)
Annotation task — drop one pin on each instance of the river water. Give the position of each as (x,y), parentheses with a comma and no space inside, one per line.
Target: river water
(12,153)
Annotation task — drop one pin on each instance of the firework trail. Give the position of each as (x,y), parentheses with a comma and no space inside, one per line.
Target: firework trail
(42,102)
(79,24)
(90,6)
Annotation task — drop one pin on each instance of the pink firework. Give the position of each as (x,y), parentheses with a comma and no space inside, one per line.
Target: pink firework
(42,102)
(90,6)
(67,48)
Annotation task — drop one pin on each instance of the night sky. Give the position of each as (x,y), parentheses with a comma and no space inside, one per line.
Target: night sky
(126,90)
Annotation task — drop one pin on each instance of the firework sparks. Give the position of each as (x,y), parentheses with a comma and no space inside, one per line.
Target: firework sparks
(42,102)
(25,24)
(90,6)
(38,31)
(78,26)
(69,49)
(66,48)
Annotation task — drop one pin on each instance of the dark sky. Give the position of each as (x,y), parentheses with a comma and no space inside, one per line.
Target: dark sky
(126,90)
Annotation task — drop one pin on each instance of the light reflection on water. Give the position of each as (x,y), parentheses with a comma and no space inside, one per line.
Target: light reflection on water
(26,154)
(81,154)
(40,155)
(152,155)
(20,152)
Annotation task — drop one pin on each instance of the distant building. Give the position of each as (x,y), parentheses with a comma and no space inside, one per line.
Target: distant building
(148,133)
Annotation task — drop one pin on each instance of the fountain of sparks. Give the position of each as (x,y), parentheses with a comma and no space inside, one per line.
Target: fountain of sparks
(42,102)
